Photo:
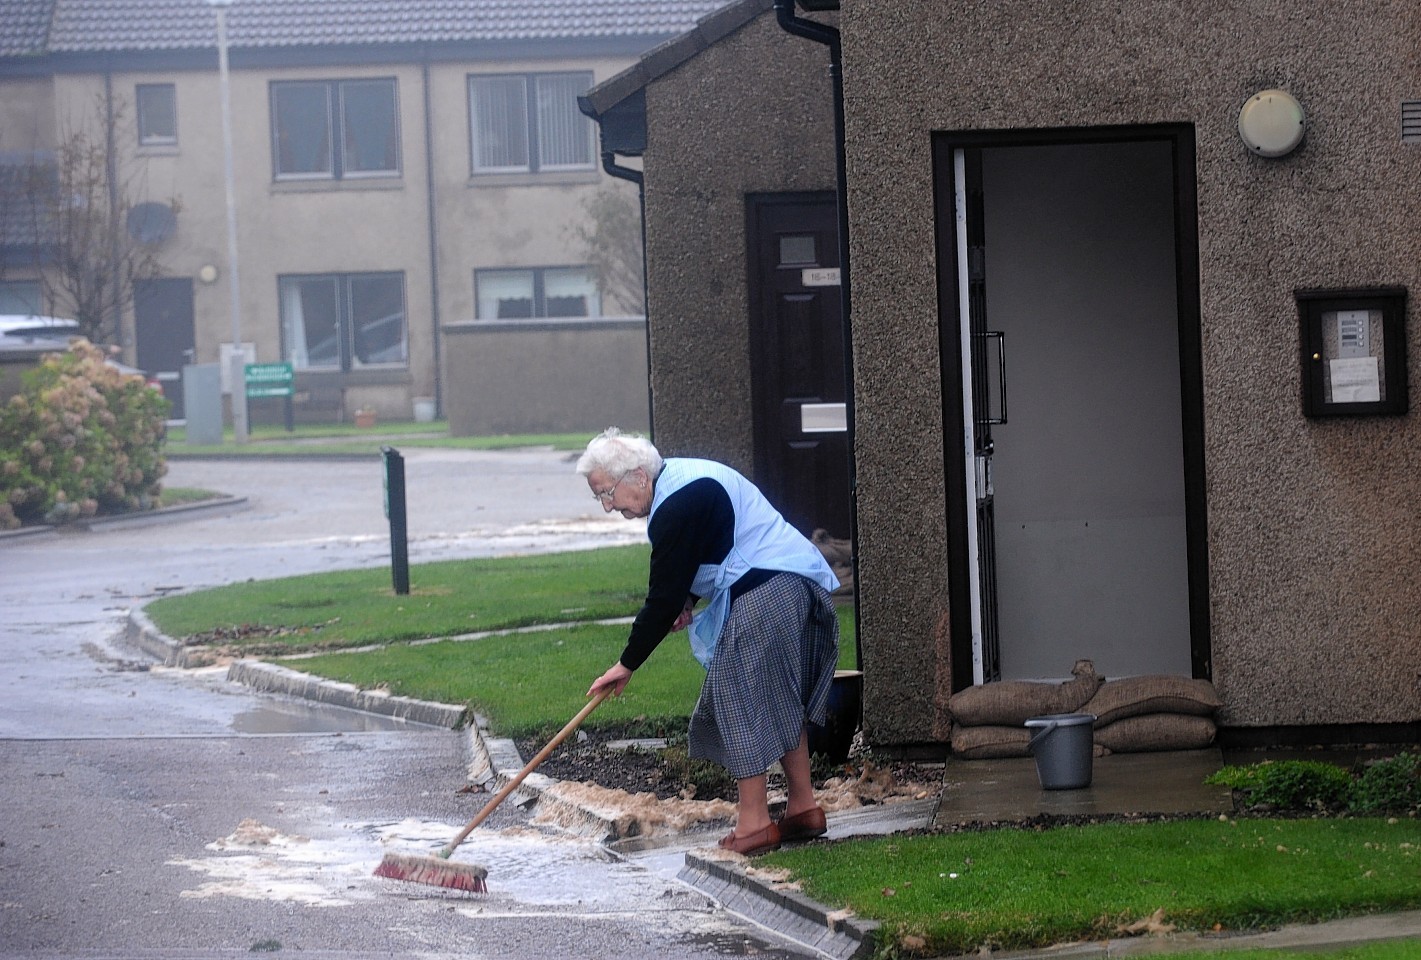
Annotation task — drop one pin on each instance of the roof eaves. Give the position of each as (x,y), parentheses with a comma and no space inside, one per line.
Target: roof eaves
(666,57)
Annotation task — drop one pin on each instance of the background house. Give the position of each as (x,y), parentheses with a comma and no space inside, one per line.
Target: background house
(1101,334)
(412,184)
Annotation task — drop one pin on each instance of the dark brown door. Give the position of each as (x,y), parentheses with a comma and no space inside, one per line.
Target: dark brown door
(163,323)
(797,359)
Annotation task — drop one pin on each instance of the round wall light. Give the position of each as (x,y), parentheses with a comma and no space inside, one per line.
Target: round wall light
(207,273)
(1271,123)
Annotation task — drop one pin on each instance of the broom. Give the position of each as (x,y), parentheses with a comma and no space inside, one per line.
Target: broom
(438,870)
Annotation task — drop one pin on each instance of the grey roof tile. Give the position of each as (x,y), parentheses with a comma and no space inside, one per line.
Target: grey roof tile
(94,26)
(24,26)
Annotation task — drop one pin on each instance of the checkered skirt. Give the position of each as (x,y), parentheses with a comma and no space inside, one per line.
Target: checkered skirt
(772,669)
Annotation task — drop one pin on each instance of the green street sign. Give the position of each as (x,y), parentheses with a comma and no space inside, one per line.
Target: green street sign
(270,380)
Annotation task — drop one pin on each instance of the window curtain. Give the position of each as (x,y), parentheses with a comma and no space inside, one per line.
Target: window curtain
(571,293)
(505,294)
(499,107)
(293,321)
(564,134)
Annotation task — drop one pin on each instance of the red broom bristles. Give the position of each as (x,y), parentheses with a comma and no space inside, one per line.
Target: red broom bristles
(434,871)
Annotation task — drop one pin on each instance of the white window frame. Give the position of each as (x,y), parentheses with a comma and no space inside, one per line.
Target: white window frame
(146,139)
(337,165)
(534,121)
(538,292)
(294,343)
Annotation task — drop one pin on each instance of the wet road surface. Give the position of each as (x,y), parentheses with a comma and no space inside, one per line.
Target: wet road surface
(155,812)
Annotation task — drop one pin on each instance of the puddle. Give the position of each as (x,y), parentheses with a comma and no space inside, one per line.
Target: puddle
(256,862)
(527,868)
(731,944)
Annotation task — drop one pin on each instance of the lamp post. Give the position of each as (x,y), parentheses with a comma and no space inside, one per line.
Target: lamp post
(238,359)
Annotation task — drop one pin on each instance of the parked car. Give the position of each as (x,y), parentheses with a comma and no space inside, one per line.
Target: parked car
(27,325)
(25,345)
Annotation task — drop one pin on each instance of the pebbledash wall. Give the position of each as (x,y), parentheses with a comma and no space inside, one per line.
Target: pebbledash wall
(1313,526)
(750,112)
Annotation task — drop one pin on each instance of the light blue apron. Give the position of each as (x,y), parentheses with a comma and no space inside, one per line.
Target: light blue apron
(762,539)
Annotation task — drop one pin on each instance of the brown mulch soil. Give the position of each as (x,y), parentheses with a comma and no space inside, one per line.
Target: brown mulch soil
(669,773)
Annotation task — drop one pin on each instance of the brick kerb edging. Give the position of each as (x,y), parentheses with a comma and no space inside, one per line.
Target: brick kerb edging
(785,911)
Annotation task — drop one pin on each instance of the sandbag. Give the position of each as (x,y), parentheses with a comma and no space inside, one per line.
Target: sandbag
(1011,703)
(996,743)
(989,742)
(1156,731)
(1133,696)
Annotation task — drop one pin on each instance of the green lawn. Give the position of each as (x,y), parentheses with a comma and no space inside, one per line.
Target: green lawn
(1391,950)
(451,598)
(1010,888)
(522,682)
(335,439)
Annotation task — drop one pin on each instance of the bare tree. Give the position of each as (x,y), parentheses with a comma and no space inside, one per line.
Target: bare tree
(79,201)
(612,240)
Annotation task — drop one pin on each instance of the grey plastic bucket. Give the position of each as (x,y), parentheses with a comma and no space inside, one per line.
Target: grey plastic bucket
(1062,747)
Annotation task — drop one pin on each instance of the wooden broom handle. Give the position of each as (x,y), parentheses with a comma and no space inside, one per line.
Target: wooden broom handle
(528,768)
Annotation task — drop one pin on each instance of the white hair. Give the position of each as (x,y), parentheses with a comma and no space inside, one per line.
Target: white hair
(618,454)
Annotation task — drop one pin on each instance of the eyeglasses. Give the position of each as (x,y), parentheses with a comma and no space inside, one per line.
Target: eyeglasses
(605,496)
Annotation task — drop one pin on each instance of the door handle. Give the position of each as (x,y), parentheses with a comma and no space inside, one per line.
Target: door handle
(1001,338)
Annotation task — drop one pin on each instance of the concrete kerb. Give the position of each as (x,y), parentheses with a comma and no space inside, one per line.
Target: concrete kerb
(786,911)
(179,511)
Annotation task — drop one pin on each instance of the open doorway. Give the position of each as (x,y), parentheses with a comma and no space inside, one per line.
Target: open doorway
(1072,402)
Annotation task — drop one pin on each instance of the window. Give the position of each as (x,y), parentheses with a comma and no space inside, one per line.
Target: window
(538,293)
(335,130)
(344,321)
(525,124)
(20,298)
(157,114)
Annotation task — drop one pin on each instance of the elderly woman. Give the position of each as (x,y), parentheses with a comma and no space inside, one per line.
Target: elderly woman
(767,635)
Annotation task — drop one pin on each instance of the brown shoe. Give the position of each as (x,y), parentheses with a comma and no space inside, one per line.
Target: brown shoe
(757,842)
(804,826)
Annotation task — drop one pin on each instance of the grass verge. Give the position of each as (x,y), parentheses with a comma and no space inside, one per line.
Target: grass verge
(522,682)
(176,496)
(334,439)
(1393,950)
(1019,888)
(358,607)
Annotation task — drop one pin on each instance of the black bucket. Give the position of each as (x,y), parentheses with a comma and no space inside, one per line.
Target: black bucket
(841,722)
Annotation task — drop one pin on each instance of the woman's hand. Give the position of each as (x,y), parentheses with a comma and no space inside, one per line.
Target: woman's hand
(615,680)
(683,619)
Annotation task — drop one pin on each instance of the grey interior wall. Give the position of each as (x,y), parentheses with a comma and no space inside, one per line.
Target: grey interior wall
(1089,468)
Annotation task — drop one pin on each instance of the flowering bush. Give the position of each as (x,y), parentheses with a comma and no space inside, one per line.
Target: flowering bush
(81,438)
